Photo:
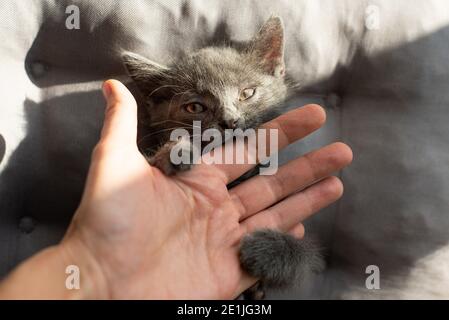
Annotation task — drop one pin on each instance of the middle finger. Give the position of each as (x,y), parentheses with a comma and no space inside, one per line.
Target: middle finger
(261,192)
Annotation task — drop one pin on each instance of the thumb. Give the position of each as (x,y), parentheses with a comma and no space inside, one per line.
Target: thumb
(120,123)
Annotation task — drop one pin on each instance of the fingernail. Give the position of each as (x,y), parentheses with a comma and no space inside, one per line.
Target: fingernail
(106,89)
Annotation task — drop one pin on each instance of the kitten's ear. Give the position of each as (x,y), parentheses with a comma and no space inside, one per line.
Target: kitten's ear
(145,73)
(268,47)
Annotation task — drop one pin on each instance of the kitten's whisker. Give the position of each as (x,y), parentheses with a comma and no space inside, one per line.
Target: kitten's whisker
(148,151)
(161,87)
(165,121)
(174,121)
(159,132)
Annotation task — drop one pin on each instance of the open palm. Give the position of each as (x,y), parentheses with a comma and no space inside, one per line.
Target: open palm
(147,235)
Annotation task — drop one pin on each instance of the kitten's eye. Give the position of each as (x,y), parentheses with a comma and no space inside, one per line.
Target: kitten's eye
(194,108)
(246,94)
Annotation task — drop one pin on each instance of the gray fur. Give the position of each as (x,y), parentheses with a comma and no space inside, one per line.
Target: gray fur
(215,77)
(278,258)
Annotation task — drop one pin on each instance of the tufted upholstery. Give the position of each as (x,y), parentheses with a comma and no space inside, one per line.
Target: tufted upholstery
(385,90)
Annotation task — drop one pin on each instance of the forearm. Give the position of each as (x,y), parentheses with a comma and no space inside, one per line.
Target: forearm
(44,276)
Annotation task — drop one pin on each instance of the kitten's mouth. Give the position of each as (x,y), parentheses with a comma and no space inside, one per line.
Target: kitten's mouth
(240,125)
(162,135)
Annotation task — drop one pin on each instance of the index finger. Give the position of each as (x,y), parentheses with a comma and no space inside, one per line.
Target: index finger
(292,126)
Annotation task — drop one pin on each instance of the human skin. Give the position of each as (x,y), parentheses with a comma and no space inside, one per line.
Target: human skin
(139,234)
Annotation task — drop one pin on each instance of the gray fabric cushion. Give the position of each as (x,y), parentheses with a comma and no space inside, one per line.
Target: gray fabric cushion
(385,91)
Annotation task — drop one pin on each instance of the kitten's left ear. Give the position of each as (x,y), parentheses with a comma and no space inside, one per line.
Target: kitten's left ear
(268,47)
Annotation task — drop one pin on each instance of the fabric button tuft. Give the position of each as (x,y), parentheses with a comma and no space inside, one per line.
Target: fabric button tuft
(27,224)
(333,100)
(38,69)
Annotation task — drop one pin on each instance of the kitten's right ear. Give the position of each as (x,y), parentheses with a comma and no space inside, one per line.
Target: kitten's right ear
(145,73)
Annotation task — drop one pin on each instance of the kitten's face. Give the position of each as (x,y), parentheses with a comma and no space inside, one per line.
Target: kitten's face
(221,87)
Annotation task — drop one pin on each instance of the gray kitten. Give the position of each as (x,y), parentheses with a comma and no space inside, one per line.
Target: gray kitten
(224,88)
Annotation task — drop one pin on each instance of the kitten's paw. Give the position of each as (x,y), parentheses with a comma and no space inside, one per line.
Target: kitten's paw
(163,163)
(170,163)
(277,258)
(256,292)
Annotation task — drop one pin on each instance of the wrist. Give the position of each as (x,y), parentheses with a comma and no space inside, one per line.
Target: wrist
(84,275)
(43,276)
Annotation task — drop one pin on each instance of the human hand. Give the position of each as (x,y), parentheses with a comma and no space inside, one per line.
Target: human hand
(153,236)
(140,234)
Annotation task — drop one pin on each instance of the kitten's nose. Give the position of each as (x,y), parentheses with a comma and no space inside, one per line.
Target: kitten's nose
(230,124)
